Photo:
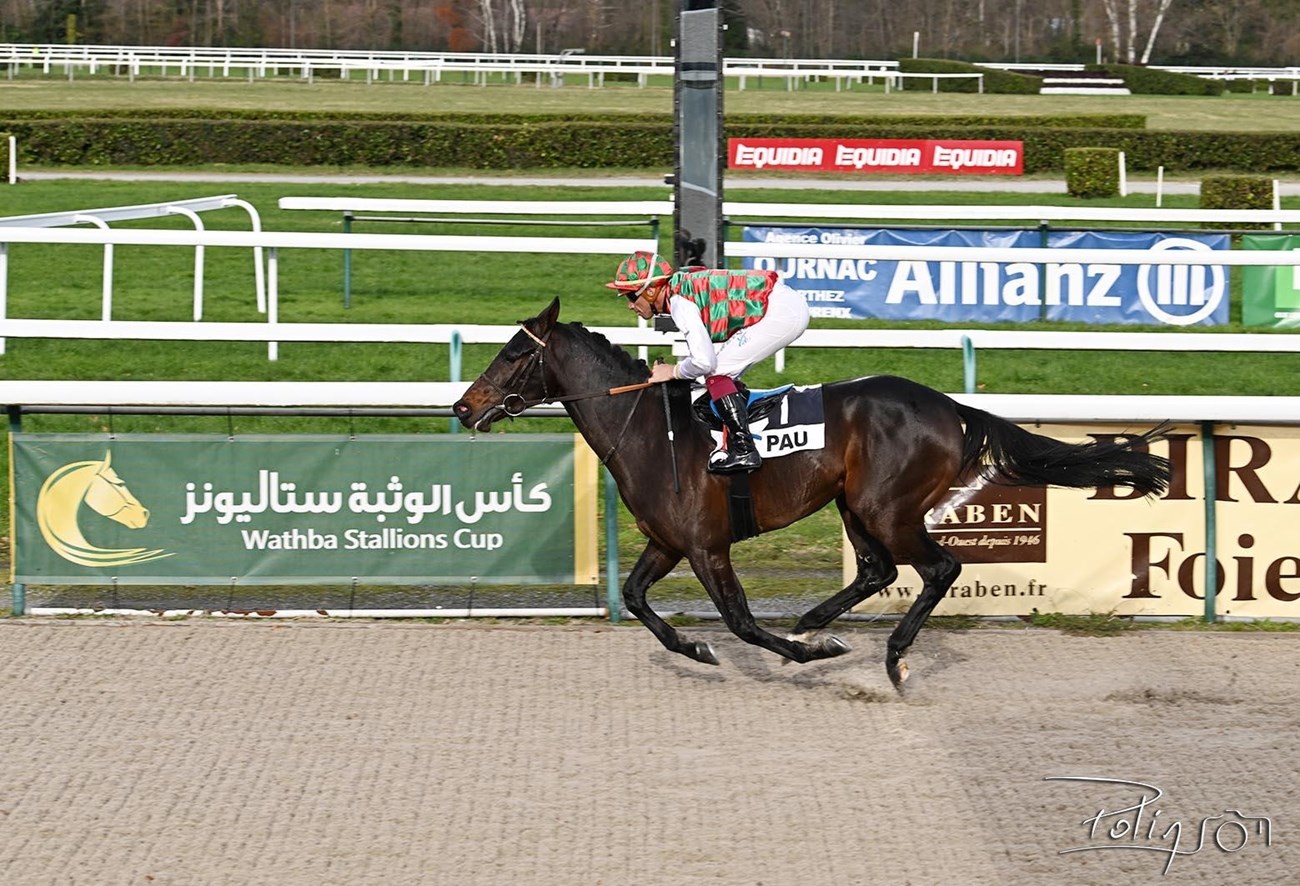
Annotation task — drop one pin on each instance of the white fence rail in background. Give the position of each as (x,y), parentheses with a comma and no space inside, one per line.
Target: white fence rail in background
(427,67)
(272,241)
(253,63)
(273,331)
(40,393)
(100,217)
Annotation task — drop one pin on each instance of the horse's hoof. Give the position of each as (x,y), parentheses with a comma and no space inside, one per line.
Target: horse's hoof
(804,638)
(897,673)
(701,652)
(831,646)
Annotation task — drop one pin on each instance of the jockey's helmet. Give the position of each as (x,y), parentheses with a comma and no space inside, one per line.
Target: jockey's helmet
(638,271)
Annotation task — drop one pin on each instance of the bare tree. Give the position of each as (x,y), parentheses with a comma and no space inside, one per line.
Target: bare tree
(1123,17)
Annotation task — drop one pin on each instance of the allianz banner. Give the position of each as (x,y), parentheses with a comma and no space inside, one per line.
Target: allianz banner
(1084,551)
(988,292)
(201,509)
(1270,296)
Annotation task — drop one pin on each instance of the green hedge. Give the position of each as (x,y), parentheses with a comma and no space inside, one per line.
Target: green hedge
(1237,192)
(552,144)
(995,81)
(1092,172)
(1149,81)
(1105,121)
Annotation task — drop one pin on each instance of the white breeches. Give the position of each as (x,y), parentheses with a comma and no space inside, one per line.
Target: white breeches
(785,320)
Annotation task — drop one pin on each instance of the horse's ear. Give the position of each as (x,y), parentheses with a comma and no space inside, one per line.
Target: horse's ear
(108,457)
(549,315)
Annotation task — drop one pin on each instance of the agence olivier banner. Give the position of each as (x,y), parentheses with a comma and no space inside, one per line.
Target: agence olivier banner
(988,292)
(1027,549)
(199,509)
(1271,296)
(893,156)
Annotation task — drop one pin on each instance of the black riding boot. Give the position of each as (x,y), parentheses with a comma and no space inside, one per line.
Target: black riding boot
(740,454)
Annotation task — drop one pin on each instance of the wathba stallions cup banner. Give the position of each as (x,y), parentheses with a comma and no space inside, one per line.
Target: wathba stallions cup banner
(1079,551)
(200,509)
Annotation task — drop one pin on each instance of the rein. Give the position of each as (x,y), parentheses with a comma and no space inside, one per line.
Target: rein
(513,404)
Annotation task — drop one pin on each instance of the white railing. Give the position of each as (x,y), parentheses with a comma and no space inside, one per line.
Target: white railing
(101,217)
(937,214)
(272,241)
(736,211)
(254,63)
(436,395)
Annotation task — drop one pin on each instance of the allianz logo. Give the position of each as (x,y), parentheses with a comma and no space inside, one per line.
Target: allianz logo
(1177,295)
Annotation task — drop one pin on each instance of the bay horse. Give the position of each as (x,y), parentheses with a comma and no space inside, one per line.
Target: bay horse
(893,448)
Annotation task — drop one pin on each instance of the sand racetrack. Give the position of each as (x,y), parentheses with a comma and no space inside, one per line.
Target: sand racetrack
(209,752)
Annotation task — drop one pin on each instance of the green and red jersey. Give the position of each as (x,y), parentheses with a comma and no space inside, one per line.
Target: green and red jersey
(728,300)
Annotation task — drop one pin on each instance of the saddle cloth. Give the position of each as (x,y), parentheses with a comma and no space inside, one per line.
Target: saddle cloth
(782,420)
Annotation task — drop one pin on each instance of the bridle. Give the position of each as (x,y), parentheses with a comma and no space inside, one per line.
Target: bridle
(514,404)
(524,374)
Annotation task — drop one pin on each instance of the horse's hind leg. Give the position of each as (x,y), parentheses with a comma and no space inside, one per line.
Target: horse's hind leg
(938,570)
(653,564)
(876,569)
(716,574)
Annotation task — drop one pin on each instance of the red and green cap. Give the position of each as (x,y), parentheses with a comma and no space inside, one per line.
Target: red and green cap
(639,270)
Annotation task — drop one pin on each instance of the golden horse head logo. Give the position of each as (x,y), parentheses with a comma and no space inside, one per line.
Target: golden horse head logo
(96,484)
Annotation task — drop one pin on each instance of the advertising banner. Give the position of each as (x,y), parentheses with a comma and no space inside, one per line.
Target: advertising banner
(894,156)
(987,292)
(203,509)
(1078,552)
(1271,296)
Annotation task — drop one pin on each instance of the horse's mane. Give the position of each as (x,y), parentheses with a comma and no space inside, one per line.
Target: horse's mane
(620,358)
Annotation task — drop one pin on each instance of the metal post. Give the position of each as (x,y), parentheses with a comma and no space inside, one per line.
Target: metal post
(968,363)
(698,127)
(18,592)
(1211,522)
(613,597)
(453,372)
(347,263)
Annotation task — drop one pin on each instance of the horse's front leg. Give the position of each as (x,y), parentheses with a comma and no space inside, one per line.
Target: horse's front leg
(654,564)
(714,570)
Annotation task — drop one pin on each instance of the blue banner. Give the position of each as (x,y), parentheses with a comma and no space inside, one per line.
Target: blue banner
(989,292)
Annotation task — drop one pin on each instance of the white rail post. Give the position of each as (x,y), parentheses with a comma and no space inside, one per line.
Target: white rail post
(13,160)
(198,257)
(4,287)
(272,298)
(259,269)
(106,310)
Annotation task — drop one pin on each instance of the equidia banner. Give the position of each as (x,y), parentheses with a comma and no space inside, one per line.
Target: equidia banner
(905,156)
(987,291)
(1029,549)
(200,509)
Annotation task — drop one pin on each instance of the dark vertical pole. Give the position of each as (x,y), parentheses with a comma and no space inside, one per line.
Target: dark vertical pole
(697,129)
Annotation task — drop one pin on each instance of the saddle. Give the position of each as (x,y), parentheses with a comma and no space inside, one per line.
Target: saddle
(758,403)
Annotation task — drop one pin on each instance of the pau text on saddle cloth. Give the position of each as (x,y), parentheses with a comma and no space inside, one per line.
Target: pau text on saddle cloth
(1131,817)
(795,424)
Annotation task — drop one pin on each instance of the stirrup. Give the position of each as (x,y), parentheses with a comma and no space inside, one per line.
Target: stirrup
(722,461)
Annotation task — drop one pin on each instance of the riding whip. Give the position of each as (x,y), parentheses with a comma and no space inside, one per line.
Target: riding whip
(672,445)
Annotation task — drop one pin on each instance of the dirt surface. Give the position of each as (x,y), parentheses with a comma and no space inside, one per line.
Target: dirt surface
(209,752)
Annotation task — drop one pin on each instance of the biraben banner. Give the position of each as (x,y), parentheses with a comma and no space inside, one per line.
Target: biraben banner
(303,509)
(986,292)
(896,156)
(1083,551)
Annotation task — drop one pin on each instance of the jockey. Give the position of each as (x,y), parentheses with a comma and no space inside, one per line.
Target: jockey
(731,320)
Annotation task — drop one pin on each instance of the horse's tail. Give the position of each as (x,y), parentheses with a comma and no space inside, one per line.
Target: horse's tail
(1019,457)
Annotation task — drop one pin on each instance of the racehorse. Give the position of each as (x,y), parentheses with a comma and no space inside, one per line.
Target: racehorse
(893,448)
